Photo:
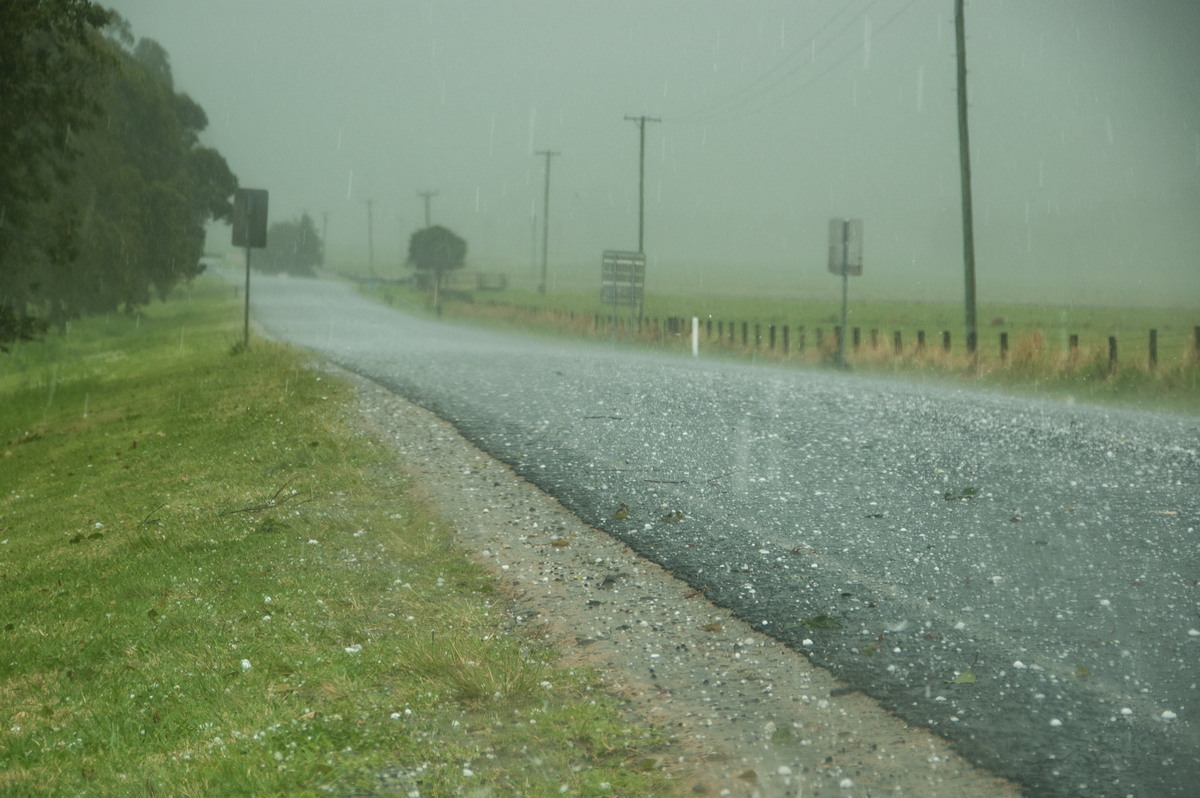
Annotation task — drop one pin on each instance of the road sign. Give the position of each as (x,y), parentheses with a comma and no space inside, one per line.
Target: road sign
(845,246)
(250,217)
(622,277)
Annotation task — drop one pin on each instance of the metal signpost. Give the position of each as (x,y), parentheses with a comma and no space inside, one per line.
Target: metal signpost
(249,230)
(621,282)
(845,258)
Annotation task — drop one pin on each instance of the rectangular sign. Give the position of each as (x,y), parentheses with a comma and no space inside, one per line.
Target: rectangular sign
(622,277)
(846,246)
(250,217)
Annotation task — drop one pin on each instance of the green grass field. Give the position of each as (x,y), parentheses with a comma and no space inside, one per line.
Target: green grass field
(211,585)
(1039,358)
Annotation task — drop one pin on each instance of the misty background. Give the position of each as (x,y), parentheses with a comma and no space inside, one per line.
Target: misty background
(776,115)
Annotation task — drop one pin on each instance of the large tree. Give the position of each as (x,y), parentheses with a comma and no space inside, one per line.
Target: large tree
(50,58)
(293,247)
(433,252)
(126,223)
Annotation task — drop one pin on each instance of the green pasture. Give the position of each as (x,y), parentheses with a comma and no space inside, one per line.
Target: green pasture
(211,584)
(1039,357)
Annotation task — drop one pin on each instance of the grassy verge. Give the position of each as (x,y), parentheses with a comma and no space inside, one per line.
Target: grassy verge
(210,585)
(1041,356)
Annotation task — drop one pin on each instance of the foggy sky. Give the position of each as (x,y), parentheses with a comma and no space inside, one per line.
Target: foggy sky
(776,115)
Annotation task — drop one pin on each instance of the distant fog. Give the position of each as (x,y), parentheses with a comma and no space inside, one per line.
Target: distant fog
(1085,133)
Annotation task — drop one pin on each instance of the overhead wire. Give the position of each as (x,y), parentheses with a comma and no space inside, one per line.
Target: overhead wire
(734,105)
(768,77)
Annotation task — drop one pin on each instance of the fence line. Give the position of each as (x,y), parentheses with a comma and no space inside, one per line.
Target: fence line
(779,339)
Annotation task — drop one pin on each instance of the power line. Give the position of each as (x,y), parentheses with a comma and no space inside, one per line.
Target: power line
(768,79)
(736,104)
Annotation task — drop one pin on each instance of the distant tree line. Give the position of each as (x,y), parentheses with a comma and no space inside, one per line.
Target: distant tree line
(293,247)
(105,189)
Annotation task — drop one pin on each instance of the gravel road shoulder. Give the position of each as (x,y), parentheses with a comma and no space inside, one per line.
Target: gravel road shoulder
(749,717)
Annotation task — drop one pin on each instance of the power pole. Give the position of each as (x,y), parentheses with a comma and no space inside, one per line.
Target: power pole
(324,235)
(546,219)
(641,120)
(427,195)
(964,156)
(371,238)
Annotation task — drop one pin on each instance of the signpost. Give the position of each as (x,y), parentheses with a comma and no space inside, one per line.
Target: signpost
(249,231)
(845,258)
(622,279)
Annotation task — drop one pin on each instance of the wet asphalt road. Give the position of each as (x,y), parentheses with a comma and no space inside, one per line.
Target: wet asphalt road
(1018,575)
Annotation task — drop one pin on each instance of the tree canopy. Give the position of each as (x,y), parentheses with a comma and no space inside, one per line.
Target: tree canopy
(293,247)
(105,188)
(434,251)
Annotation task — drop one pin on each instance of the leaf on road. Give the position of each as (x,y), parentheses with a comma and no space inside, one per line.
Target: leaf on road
(966,677)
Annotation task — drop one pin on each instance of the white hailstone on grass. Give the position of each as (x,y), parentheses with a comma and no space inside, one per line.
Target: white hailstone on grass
(246,665)
(1055,722)
(1169,715)
(847,784)
(354,649)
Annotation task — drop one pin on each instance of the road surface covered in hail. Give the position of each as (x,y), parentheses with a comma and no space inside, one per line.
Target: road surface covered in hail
(1018,575)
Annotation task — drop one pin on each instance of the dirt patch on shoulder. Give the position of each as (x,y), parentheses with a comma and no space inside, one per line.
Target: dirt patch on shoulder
(749,716)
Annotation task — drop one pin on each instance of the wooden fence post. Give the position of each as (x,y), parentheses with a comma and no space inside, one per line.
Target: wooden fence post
(771,337)
(745,332)
(945,340)
(857,338)
(897,342)
(920,340)
(800,342)
(785,339)
(1112,354)
(1153,358)
(1004,346)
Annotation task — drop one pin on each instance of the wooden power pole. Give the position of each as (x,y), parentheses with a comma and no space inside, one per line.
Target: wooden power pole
(546,219)
(964,156)
(427,196)
(641,120)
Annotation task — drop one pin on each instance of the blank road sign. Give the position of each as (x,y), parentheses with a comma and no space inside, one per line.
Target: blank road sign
(250,217)
(846,246)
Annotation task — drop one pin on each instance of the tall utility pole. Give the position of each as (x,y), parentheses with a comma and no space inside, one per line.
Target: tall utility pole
(964,157)
(642,120)
(546,219)
(324,236)
(371,237)
(427,195)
